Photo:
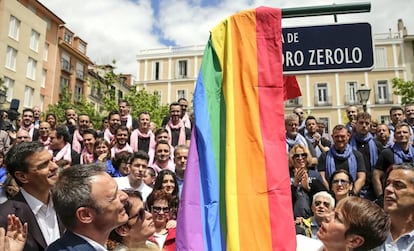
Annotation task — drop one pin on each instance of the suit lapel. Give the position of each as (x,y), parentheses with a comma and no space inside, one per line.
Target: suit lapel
(29,217)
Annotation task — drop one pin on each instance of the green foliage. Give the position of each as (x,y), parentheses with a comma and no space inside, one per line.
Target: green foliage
(405,89)
(142,100)
(81,107)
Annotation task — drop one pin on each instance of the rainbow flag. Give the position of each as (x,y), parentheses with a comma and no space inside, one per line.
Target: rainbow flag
(236,193)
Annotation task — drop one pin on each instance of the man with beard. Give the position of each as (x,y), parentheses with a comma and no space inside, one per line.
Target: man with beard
(27,123)
(179,133)
(363,141)
(383,136)
(138,166)
(121,141)
(342,156)
(32,167)
(114,121)
(143,138)
(401,152)
(77,139)
(60,147)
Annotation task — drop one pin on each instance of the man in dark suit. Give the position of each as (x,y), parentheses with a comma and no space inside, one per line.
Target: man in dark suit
(90,205)
(32,167)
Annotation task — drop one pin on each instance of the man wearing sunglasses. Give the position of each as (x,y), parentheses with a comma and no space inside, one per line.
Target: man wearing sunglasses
(88,202)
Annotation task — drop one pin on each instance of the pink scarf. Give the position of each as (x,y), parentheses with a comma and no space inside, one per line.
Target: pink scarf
(76,142)
(137,134)
(64,153)
(108,136)
(30,129)
(151,153)
(170,166)
(46,142)
(115,149)
(186,121)
(128,119)
(180,125)
(87,154)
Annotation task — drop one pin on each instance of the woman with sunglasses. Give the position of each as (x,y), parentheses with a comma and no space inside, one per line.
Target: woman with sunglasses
(341,184)
(134,234)
(158,202)
(304,182)
(167,181)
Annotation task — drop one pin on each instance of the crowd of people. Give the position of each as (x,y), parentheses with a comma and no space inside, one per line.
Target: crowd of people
(362,159)
(68,186)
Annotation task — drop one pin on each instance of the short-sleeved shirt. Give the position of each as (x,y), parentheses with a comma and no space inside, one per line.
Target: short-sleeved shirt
(342,163)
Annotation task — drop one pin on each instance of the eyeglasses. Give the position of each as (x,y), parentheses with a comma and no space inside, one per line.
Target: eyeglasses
(341,182)
(300,155)
(159,209)
(140,215)
(325,204)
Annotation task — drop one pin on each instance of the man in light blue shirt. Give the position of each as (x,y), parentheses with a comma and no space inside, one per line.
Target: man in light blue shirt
(399,204)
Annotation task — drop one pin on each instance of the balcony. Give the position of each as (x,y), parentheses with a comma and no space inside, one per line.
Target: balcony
(384,100)
(350,100)
(80,75)
(323,101)
(65,66)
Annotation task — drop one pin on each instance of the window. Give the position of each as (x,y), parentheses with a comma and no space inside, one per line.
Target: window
(351,88)
(31,68)
(382,93)
(34,40)
(120,95)
(321,94)
(63,85)
(79,70)
(46,52)
(380,57)
(67,37)
(8,84)
(182,69)
(14,27)
(385,119)
(78,92)
(43,81)
(181,94)
(11,58)
(325,120)
(82,48)
(65,62)
(157,70)
(293,102)
(28,96)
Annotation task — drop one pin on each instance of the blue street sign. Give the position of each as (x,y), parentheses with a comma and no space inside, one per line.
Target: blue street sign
(328,48)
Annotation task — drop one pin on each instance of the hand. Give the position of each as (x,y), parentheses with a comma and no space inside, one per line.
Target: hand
(171,224)
(86,160)
(102,157)
(305,181)
(15,238)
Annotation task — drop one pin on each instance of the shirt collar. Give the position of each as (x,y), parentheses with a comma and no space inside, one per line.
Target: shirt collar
(34,203)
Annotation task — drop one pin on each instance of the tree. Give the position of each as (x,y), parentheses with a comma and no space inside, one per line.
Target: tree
(405,89)
(81,107)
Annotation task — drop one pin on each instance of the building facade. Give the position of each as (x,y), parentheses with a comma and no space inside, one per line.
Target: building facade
(41,55)
(172,73)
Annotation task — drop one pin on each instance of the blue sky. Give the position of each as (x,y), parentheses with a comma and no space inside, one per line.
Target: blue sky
(119,29)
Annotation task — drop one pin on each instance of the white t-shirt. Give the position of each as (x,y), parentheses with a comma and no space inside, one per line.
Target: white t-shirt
(123,183)
(304,243)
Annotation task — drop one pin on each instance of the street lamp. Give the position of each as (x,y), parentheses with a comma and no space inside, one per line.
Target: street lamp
(363,96)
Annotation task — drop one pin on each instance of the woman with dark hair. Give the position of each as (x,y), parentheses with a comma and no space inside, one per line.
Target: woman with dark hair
(341,184)
(121,163)
(51,119)
(134,234)
(167,181)
(159,204)
(149,177)
(102,154)
(304,182)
